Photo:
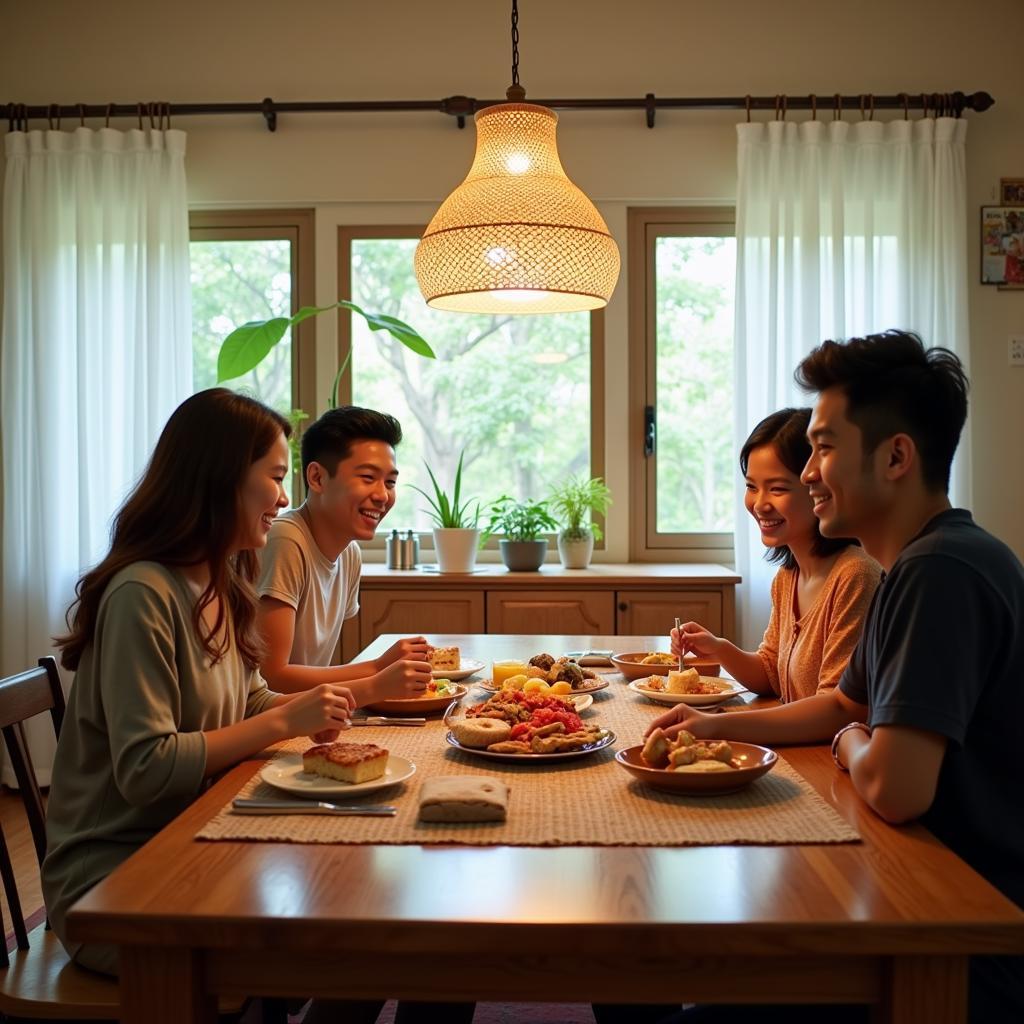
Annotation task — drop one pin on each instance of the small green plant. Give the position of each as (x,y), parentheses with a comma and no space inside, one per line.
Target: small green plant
(449,513)
(575,500)
(246,346)
(518,520)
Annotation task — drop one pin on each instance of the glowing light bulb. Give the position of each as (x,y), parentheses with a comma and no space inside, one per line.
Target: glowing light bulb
(517,163)
(515,294)
(500,257)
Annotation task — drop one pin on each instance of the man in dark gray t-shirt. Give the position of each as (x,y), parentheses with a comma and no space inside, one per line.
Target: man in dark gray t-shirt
(930,709)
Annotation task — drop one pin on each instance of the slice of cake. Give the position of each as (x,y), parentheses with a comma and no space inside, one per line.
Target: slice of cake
(346,762)
(445,659)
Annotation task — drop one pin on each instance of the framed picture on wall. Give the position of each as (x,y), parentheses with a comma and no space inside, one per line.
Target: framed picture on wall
(1002,245)
(1011,191)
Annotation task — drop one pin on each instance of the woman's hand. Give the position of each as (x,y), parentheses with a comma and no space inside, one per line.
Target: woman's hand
(410,648)
(692,637)
(697,723)
(323,709)
(402,680)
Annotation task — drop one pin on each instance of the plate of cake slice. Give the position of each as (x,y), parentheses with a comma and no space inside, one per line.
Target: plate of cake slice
(337,769)
(448,663)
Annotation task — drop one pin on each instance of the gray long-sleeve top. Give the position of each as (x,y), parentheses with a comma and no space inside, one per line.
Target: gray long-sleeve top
(132,754)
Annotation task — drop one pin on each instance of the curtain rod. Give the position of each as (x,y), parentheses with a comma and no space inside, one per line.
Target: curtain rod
(460,107)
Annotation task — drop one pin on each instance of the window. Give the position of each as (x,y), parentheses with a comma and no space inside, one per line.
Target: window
(681,339)
(513,392)
(253,265)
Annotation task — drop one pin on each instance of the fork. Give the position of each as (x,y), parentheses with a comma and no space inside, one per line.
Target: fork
(383,720)
(681,652)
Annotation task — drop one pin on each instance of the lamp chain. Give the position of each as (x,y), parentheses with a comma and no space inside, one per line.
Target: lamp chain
(515,42)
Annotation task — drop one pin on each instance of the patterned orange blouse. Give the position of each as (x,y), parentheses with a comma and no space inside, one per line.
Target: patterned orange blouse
(807,654)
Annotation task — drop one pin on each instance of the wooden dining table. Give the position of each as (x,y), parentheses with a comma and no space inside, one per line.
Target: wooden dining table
(888,921)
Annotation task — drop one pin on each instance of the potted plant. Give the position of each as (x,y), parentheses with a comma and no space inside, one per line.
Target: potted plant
(456,533)
(574,502)
(521,523)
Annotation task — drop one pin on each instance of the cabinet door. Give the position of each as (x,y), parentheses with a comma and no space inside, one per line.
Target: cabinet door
(653,612)
(550,611)
(413,610)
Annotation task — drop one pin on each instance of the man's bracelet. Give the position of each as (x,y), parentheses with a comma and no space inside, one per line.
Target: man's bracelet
(835,741)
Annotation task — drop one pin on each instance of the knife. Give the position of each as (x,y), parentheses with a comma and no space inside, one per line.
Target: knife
(383,720)
(252,806)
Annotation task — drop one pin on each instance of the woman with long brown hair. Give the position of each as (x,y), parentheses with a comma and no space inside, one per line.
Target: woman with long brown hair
(163,641)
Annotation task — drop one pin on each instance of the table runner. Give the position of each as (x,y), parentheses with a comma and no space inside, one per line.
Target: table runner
(589,801)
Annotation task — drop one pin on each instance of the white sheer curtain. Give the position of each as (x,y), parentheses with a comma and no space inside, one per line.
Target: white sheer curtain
(841,230)
(96,353)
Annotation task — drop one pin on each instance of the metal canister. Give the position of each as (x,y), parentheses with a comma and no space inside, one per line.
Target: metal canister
(410,550)
(395,551)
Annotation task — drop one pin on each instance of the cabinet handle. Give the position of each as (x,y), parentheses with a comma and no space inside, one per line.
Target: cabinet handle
(623,607)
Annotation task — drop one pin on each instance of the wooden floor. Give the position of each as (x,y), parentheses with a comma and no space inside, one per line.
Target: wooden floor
(23,855)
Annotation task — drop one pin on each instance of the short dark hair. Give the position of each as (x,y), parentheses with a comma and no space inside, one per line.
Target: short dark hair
(329,439)
(894,385)
(786,432)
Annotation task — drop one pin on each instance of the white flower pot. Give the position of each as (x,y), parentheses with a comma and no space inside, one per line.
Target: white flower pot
(456,549)
(575,552)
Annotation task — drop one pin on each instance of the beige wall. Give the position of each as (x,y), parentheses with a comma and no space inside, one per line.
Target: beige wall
(407,49)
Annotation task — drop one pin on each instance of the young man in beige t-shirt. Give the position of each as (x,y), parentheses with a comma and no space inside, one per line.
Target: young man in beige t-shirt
(309,576)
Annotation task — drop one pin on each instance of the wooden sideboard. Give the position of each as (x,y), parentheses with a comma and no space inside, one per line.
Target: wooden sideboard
(633,598)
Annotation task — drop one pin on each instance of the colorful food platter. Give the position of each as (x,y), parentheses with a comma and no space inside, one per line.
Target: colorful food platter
(587,686)
(606,740)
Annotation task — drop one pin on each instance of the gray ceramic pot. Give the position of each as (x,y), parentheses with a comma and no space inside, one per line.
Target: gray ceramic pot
(523,555)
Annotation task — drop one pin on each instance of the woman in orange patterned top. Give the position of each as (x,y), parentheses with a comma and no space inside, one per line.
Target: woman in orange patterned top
(821,593)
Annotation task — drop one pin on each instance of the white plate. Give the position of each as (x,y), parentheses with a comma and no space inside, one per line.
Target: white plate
(605,741)
(468,668)
(695,700)
(285,772)
(581,701)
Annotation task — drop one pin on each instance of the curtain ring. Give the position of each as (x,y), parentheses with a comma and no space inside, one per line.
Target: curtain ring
(837,110)
(110,107)
(924,104)
(871,106)
(906,106)
(52,112)
(814,107)
(81,115)
(138,109)
(748,108)
(21,116)
(785,105)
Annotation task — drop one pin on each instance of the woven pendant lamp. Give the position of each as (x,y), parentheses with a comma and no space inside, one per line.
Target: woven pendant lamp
(517,236)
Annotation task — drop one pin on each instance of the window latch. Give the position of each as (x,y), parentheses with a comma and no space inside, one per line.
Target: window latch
(650,431)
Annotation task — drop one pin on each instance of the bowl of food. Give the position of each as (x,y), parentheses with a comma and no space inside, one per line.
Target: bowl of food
(696,767)
(641,664)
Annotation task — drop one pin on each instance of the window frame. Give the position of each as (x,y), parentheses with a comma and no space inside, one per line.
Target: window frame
(645,226)
(297,226)
(347,234)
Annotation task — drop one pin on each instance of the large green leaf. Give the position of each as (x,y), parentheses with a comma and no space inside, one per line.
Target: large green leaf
(246,346)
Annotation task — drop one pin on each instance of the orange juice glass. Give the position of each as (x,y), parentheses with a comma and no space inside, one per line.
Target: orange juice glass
(503,670)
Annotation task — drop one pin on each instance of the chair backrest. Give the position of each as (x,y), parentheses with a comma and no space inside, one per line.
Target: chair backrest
(24,696)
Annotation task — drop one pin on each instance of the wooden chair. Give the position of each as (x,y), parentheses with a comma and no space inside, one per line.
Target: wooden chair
(37,980)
